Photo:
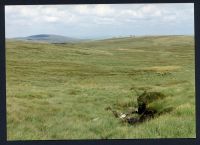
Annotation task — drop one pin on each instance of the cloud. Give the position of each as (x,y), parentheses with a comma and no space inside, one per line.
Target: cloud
(82,9)
(104,10)
(65,19)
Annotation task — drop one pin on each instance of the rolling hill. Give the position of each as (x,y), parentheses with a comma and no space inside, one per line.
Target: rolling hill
(64,91)
(49,38)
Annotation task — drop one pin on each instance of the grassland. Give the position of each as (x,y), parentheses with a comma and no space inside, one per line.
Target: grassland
(60,91)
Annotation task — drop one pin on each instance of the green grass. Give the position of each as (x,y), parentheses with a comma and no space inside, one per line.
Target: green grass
(60,91)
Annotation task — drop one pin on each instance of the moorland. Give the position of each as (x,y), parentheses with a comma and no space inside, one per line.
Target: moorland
(61,91)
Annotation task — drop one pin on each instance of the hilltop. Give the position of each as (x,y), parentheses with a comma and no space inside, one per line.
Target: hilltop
(48,38)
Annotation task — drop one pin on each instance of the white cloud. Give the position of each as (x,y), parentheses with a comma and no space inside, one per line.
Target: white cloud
(76,17)
(51,19)
(82,9)
(104,10)
(104,21)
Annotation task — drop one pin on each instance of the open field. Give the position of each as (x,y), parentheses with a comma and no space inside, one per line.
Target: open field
(60,91)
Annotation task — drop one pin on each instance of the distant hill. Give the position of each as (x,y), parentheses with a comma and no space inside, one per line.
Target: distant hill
(49,38)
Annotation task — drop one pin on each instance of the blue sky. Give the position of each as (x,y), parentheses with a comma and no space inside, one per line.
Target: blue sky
(100,21)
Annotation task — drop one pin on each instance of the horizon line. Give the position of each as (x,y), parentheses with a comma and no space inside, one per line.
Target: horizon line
(102,37)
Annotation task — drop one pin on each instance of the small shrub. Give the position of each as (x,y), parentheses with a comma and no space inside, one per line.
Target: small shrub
(146,98)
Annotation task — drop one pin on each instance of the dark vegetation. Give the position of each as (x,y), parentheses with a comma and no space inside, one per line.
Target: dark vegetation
(145,110)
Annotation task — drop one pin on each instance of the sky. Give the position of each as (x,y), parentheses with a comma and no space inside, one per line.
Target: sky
(100,20)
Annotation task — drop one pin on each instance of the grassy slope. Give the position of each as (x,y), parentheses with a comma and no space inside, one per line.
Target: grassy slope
(61,91)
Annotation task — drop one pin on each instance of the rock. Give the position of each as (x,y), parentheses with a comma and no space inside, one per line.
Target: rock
(148,114)
(132,120)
